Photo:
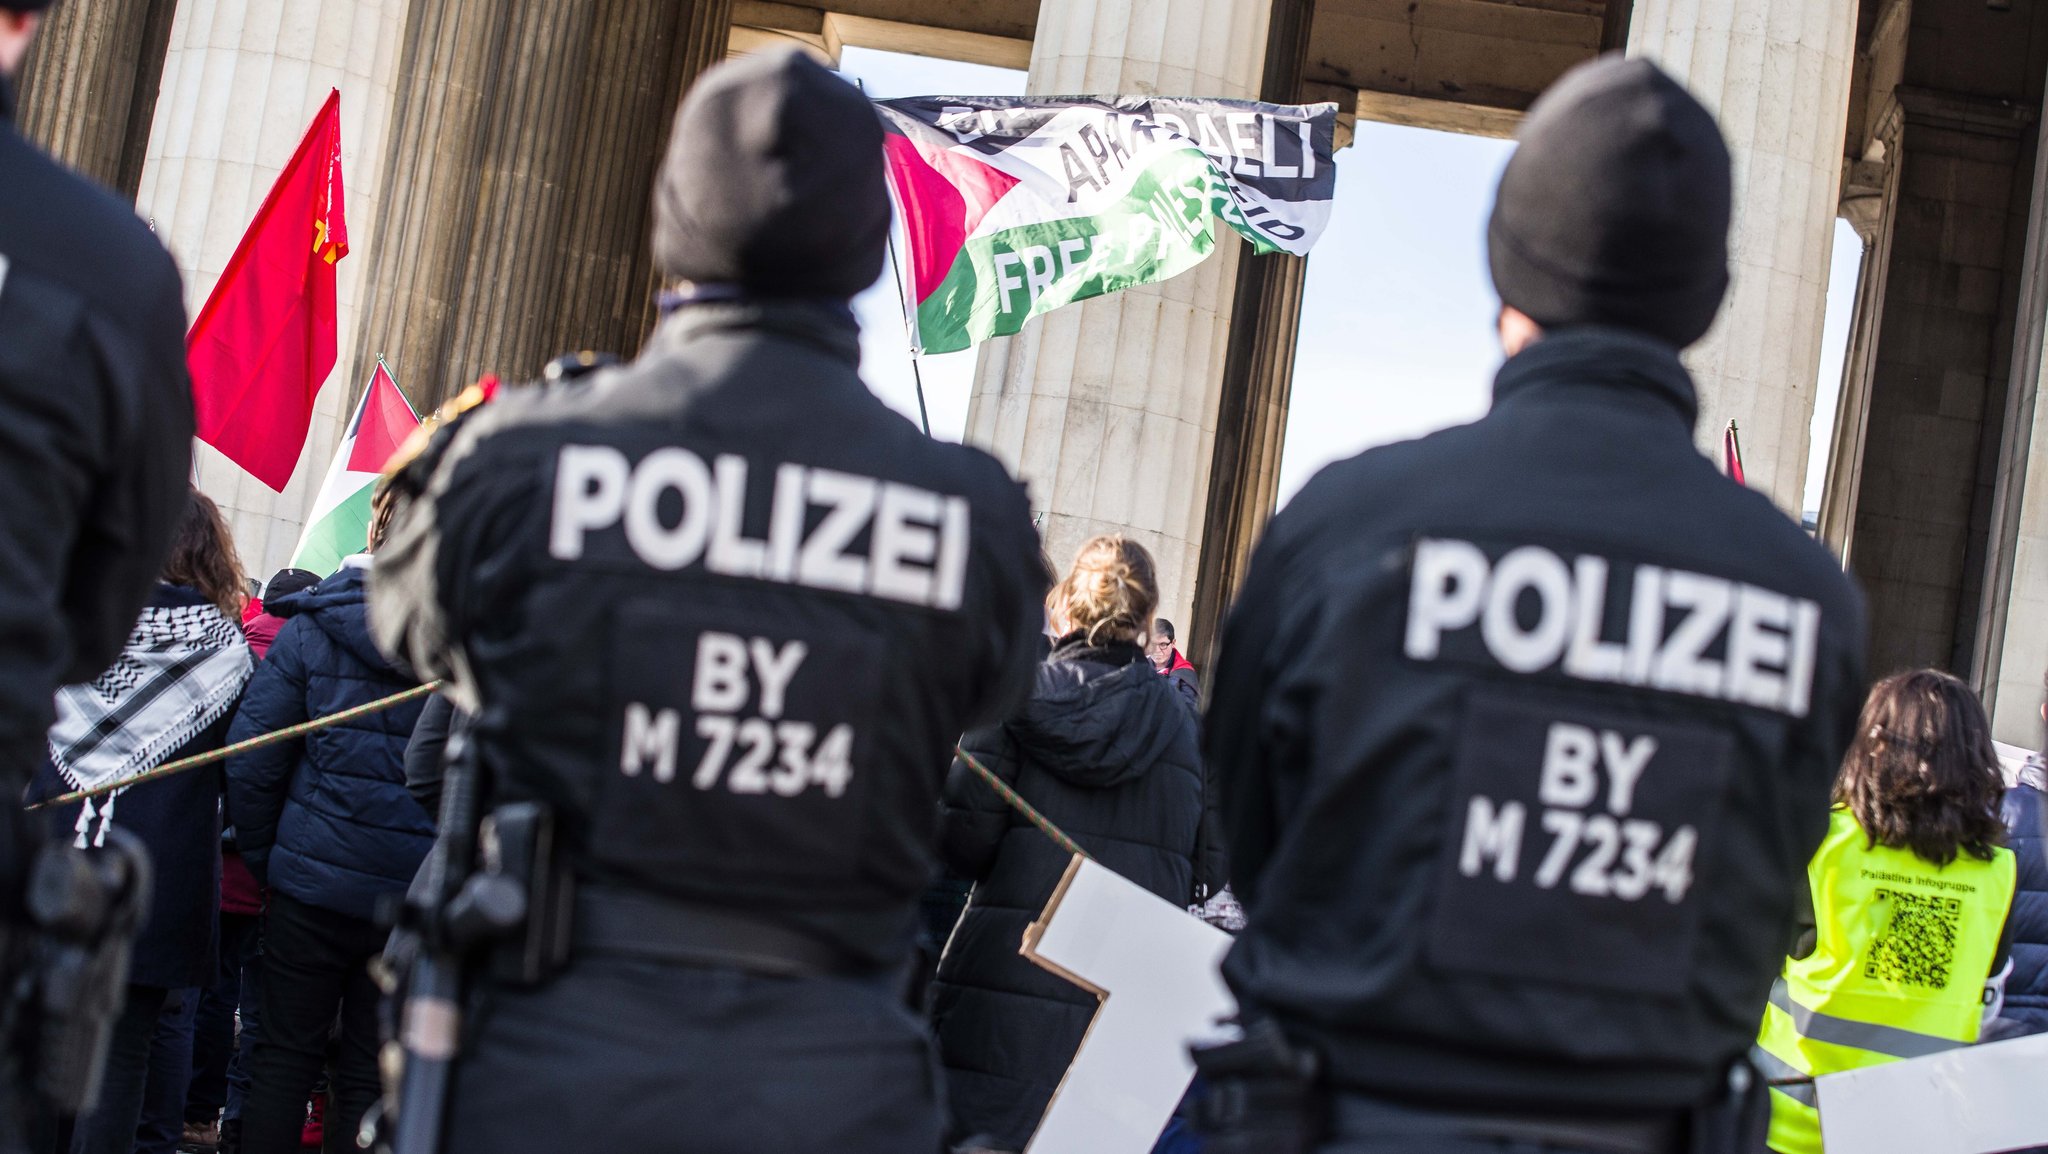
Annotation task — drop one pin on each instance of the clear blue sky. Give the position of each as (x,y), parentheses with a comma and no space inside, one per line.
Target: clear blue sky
(1397,334)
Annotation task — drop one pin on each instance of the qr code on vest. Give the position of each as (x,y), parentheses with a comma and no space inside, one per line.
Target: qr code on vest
(1918,945)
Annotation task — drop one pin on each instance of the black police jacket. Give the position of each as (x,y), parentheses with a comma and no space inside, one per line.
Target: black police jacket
(95,432)
(1525,732)
(728,613)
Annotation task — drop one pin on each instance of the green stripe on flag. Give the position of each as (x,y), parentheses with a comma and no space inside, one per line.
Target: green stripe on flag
(1159,228)
(342,531)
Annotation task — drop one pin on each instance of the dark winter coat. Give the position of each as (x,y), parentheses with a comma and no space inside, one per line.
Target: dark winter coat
(177,819)
(326,819)
(95,432)
(2026,815)
(1365,750)
(424,766)
(1107,752)
(1212,863)
(1182,673)
(561,653)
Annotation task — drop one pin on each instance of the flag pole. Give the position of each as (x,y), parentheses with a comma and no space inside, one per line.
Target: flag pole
(924,417)
(916,374)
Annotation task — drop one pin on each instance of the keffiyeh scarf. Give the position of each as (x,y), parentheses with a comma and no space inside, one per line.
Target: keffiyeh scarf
(182,668)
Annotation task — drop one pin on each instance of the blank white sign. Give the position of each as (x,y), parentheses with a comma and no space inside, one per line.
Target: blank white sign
(1155,968)
(1976,1100)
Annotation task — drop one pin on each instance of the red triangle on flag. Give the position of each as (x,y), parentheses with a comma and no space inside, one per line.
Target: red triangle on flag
(383,421)
(944,194)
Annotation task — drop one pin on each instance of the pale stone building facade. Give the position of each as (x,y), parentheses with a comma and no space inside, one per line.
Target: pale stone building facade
(498,154)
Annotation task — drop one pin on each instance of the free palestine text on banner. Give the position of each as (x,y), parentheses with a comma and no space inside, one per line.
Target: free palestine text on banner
(1016,206)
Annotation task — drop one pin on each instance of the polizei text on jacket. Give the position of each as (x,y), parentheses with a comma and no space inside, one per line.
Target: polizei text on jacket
(1530,609)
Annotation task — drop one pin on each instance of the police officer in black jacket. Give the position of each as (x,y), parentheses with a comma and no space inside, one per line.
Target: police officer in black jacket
(1526,729)
(727,614)
(95,422)
(95,445)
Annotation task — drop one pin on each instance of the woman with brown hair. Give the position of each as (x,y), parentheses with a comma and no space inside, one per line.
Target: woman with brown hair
(1107,752)
(170,694)
(1910,889)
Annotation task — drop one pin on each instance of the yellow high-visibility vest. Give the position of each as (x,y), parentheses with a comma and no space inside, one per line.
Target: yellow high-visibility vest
(1903,949)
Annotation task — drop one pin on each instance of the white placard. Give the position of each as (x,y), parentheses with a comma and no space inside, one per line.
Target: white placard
(1155,968)
(1975,1100)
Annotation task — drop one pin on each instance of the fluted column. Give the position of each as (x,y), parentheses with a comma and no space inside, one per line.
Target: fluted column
(1251,428)
(446,77)
(241,82)
(527,137)
(533,121)
(645,53)
(1258,379)
(2013,632)
(1108,408)
(89,85)
(1776,73)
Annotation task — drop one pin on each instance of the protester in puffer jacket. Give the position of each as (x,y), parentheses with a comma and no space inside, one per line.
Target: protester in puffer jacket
(2026,990)
(1105,750)
(326,821)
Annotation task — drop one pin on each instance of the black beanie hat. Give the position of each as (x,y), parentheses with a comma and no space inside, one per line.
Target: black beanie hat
(1615,208)
(286,581)
(773,182)
(25,5)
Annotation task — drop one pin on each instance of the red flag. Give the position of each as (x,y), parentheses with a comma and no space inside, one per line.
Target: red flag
(265,340)
(1731,455)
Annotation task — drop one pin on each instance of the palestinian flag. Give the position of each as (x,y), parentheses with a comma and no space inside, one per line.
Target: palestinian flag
(340,521)
(1014,207)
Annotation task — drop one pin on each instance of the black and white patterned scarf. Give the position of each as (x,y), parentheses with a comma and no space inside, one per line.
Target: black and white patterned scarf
(182,668)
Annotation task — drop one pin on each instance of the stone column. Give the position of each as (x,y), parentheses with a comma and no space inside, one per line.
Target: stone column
(533,121)
(445,81)
(1776,73)
(1108,408)
(1871,205)
(646,52)
(241,82)
(89,85)
(2013,627)
(527,136)
(1251,430)
(1258,377)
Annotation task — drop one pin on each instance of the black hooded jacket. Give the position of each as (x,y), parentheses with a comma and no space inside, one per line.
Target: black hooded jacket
(1106,750)
(326,818)
(95,432)
(1525,732)
(722,607)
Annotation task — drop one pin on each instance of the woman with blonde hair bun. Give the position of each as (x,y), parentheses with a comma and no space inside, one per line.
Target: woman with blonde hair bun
(1107,751)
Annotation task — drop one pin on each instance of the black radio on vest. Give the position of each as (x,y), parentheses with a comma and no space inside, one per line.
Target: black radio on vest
(720,616)
(1526,729)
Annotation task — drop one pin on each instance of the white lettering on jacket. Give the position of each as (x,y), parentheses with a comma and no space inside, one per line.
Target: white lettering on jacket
(1768,641)
(917,539)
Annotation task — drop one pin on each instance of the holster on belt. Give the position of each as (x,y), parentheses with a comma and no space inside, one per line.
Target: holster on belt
(1262,1094)
(517,842)
(1739,1121)
(84,909)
